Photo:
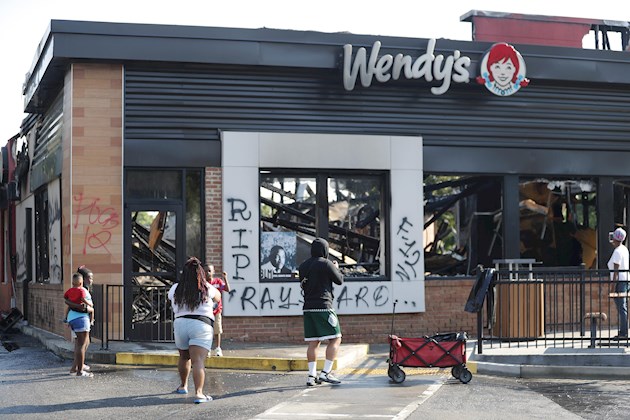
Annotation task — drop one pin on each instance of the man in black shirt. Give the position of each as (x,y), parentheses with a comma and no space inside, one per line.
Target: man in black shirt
(317,275)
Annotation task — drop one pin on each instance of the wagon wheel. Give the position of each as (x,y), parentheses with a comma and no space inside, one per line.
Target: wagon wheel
(466,376)
(457,371)
(391,371)
(396,374)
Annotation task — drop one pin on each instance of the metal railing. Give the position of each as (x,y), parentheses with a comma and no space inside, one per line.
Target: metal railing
(99,312)
(549,307)
(149,316)
(538,307)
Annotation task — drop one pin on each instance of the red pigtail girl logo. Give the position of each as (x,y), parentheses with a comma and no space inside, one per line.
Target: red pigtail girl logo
(503,70)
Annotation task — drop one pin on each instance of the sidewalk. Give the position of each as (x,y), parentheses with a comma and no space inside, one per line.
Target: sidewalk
(501,360)
(550,362)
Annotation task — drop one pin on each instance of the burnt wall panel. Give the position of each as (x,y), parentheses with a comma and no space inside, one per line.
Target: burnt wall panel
(192,103)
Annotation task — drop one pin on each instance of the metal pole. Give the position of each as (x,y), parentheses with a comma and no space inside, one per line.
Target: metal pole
(106,332)
(393,312)
(582,298)
(480,332)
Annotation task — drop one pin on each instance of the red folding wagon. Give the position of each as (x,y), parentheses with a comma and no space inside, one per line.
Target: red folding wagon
(440,350)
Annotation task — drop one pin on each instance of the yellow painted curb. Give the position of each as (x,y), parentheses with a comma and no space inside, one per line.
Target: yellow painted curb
(147,359)
(471,366)
(225,362)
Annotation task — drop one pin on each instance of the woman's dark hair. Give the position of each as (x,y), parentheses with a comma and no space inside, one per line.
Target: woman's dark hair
(85,272)
(192,289)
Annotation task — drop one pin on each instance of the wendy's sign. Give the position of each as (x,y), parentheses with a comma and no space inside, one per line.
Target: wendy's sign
(428,66)
(502,70)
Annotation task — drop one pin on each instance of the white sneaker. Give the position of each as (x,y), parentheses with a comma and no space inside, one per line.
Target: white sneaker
(218,352)
(311,381)
(328,377)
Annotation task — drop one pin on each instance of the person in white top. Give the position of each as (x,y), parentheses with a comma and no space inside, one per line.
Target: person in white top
(193,300)
(618,265)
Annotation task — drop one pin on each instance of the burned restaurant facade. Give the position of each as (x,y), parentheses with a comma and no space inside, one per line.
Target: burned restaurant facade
(418,159)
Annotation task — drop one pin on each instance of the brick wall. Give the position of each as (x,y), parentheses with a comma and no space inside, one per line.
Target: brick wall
(445,300)
(214,218)
(46,307)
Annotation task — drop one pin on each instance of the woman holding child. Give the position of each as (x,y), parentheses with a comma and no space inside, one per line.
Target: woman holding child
(80,317)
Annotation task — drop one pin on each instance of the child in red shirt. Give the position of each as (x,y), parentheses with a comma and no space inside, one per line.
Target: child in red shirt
(78,294)
(223,286)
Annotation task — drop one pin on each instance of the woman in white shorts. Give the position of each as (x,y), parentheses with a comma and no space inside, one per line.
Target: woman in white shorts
(193,299)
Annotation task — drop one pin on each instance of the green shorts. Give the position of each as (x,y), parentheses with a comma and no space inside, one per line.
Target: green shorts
(321,324)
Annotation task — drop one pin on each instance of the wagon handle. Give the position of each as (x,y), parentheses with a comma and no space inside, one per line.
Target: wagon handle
(393,313)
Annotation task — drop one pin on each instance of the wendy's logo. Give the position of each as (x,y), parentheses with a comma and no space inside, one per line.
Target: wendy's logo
(503,70)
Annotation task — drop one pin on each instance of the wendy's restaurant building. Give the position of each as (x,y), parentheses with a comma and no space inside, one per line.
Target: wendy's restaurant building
(416,158)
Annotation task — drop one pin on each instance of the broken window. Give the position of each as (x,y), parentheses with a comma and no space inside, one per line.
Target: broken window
(42,266)
(350,210)
(558,221)
(462,223)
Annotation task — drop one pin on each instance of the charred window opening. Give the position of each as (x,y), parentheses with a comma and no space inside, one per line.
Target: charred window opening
(344,208)
(42,235)
(558,221)
(462,225)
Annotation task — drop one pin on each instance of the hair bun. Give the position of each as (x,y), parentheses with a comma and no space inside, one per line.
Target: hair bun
(193,261)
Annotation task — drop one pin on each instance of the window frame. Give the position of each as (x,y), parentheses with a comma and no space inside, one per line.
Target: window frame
(322,177)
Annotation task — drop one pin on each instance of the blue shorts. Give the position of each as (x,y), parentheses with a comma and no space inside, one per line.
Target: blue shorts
(192,332)
(81,324)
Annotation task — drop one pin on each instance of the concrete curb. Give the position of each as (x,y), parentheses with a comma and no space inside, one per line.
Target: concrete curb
(348,355)
(244,363)
(549,371)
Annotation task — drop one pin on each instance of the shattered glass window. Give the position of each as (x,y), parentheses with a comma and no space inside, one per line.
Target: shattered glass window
(354,216)
(558,220)
(42,266)
(462,223)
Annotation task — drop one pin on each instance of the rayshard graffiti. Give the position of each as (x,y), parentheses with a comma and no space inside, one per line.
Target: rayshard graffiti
(249,297)
(287,299)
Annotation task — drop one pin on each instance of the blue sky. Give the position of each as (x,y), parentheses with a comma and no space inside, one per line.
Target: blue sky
(23,22)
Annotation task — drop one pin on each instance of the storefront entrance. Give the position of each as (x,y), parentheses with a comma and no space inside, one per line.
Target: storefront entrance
(154,255)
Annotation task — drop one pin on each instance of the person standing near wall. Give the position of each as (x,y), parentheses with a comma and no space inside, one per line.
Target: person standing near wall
(222,285)
(618,265)
(88,280)
(80,324)
(317,275)
(193,300)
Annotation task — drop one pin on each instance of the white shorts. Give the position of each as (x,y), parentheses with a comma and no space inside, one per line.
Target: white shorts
(192,332)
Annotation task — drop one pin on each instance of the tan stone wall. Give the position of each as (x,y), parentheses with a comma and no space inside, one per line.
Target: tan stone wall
(96,222)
